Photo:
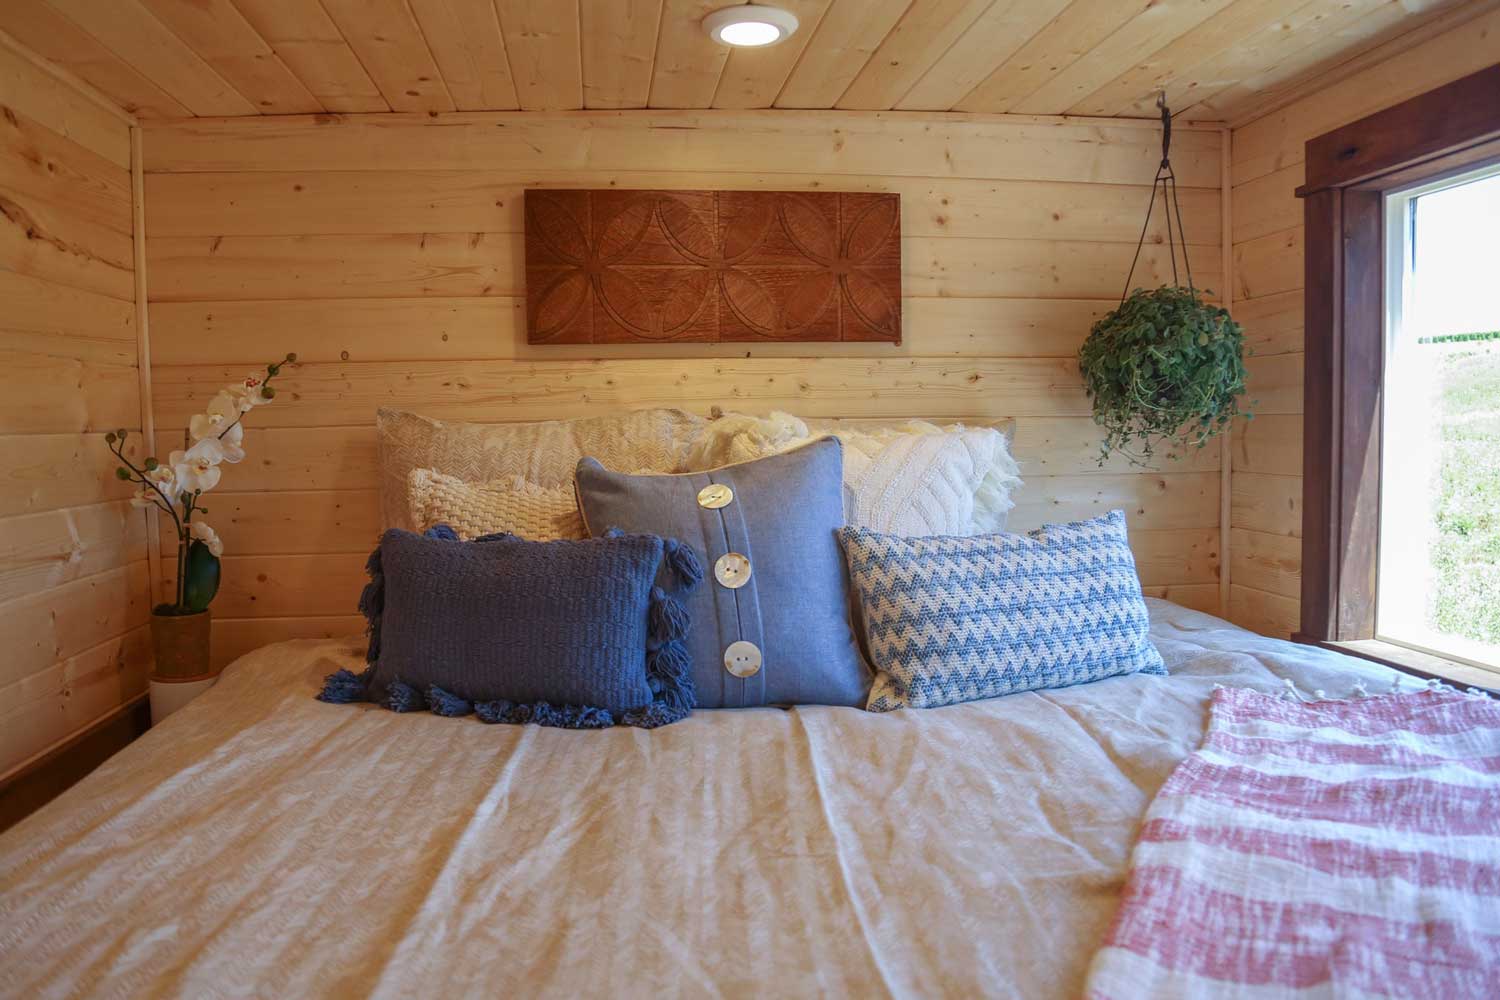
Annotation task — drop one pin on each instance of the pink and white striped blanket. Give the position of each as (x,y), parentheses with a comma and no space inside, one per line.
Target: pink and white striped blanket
(1331,848)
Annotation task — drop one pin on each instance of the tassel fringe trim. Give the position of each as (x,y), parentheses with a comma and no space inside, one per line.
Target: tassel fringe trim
(1400,684)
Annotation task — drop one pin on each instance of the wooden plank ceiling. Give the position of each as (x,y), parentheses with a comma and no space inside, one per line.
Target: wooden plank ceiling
(1222,60)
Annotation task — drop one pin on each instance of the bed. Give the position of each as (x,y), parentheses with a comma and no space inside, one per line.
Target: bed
(263,843)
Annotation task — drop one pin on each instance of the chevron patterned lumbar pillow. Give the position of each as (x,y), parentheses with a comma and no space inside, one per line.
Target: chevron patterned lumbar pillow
(952,619)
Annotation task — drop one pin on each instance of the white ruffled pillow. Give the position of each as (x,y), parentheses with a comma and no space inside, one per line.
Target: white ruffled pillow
(536,513)
(912,478)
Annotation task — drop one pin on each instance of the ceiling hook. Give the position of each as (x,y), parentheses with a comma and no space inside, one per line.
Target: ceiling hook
(1166,126)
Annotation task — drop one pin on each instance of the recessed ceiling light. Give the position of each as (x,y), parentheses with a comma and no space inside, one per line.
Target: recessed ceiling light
(750,25)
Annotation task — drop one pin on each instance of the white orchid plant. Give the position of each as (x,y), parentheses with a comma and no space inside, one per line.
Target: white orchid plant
(177,485)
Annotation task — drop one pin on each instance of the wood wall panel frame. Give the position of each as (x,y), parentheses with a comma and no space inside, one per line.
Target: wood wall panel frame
(605,266)
(1349,170)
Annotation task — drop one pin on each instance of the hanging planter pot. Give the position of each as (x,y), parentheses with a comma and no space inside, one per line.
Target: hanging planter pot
(1165,368)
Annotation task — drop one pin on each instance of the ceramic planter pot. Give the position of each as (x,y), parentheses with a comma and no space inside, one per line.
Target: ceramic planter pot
(181,645)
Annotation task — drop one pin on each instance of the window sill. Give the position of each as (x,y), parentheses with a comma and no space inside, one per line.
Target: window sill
(1411,661)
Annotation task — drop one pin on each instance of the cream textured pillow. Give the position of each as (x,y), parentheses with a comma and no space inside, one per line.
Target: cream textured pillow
(537,513)
(544,453)
(911,478)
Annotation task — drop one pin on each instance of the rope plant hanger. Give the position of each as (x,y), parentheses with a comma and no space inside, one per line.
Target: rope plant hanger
(1165,367)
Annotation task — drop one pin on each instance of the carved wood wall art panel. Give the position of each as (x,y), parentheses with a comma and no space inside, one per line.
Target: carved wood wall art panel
(607,266)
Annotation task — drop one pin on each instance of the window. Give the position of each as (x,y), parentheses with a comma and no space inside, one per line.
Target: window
(1438,577)
(1400,424)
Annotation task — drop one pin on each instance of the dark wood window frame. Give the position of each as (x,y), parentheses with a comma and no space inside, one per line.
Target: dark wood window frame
(1446,131)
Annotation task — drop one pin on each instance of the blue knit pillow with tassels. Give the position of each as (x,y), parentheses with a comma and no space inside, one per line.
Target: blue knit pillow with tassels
(574,634)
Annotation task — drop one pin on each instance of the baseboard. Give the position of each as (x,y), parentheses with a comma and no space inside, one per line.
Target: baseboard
(43,778)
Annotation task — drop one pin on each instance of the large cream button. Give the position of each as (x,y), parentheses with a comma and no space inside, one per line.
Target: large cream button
(742,659)
(715,495)
(732,570)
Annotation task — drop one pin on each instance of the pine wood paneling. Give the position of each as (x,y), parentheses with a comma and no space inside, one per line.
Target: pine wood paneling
(134,34)
(46,550)
(1272,323)
(848,34)
(50,242)
(990,41)
(217,31)
(35,306)
(1149,502)
(402,265)
(1268,265)
(494,328)
(44,471)
(685,71)
(1265,561)
(831,144)
(348,394)
(1258,611)
(234,637)
(1152,26)
(927,30)
(1271,444)
(1267,503)
(542,44)
(53,625)
(1275,383)
(261,243)
(38,163)
(1168,64)
(311,45)
(467,201)
(46,708)
(1216,59)
(619,41)
(293,521)
(74,585)
(53,395)
(385,37)
(1050,55)
(46,32)
(465,39)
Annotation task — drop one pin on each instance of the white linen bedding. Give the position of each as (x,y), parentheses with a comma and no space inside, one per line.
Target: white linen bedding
(261,843)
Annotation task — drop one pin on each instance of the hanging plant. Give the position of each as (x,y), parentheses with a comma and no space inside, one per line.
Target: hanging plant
(1165,367)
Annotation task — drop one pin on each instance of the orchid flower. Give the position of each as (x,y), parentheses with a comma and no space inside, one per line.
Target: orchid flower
(197,469)
(223,411)
(251,392)
(203,533)
(158,485)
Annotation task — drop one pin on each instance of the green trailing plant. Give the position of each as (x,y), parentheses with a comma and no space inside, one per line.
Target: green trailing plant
(1163,368)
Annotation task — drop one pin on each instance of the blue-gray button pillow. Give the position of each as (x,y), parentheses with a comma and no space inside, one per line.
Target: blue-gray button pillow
(779,634)
(952,619)
(563,633)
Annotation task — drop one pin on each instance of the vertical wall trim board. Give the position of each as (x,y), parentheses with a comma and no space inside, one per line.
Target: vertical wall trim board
(1226,295)
(143,344)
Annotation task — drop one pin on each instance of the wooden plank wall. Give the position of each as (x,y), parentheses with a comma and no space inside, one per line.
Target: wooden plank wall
(387,252)
(74,592)
(1266,501)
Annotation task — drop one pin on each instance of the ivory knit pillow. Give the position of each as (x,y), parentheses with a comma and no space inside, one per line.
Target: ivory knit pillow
(907,478)
(544,452)
(512,506)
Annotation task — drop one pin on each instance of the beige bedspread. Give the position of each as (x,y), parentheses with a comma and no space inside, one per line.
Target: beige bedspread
(260,843)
